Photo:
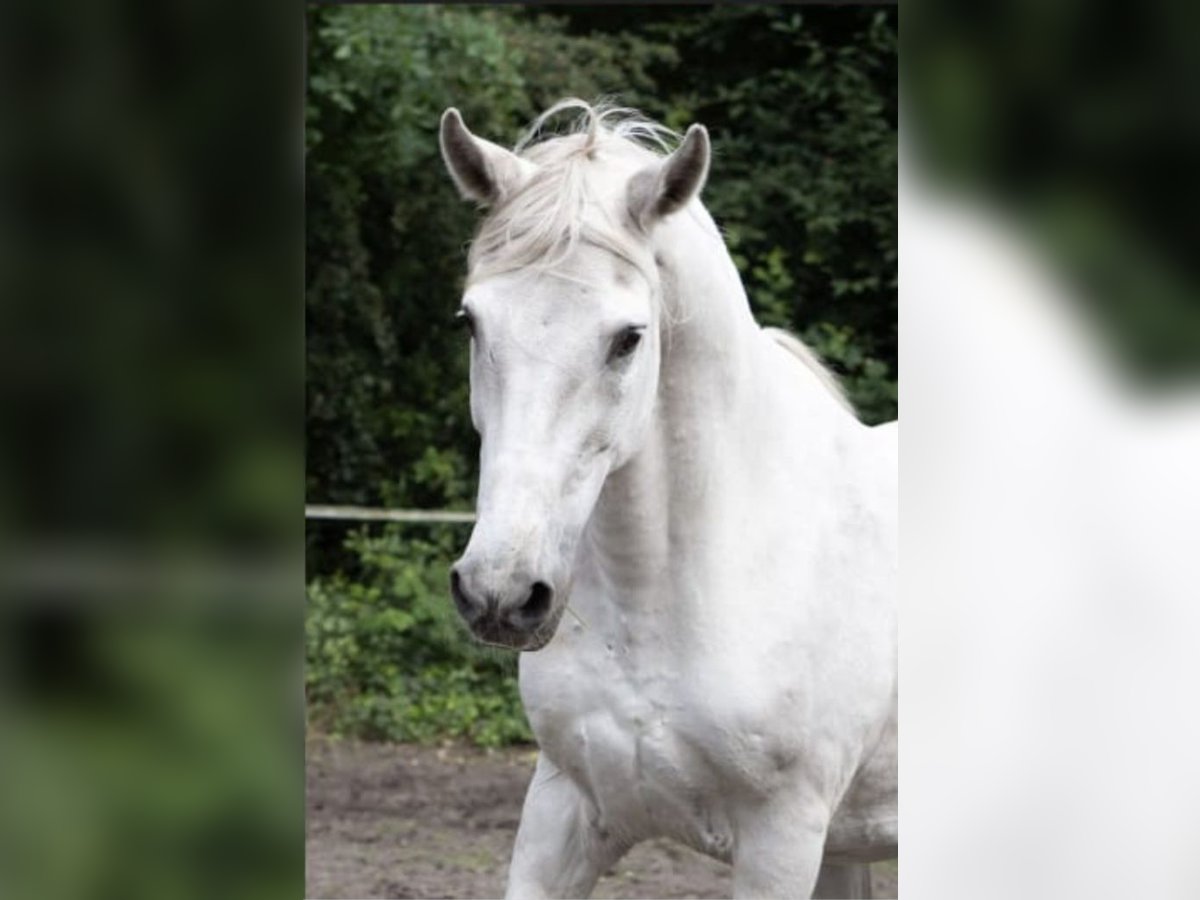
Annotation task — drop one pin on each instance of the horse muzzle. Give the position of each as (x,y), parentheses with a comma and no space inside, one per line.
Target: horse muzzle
(516,612)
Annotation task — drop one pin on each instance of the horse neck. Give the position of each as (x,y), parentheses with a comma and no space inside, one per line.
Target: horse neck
(711,371)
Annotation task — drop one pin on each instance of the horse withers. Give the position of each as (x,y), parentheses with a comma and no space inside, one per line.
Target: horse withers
(679,520)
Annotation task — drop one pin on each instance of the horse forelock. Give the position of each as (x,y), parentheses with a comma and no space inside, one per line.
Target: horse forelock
(569,202)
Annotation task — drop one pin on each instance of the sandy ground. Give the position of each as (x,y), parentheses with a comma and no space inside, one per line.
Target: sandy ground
(396,820)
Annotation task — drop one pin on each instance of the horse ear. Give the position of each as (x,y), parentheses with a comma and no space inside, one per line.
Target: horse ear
(482,171)
(669,185)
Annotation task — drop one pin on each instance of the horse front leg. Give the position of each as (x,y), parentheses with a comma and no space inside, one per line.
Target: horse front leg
(779,849)
(560,851)
(844,881)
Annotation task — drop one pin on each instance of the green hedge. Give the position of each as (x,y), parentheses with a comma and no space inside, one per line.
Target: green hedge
(387,656)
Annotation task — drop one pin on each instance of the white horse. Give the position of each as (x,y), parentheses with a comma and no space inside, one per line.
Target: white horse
(694,491)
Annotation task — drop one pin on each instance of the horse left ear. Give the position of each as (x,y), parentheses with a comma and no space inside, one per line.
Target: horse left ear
(669,185)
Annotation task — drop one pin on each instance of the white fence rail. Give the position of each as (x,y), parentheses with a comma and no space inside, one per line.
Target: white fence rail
(375,514)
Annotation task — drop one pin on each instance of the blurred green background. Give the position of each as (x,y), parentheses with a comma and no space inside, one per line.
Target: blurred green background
(151,456)
(1078,123)
(801,105)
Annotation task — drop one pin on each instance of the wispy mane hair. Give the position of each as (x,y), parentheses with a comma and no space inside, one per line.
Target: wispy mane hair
(544,220)
(537,226)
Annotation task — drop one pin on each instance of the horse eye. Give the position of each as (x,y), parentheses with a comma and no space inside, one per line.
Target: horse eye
(625,343)
(464,319)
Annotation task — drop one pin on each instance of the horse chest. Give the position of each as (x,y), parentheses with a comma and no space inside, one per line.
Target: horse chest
(649,753)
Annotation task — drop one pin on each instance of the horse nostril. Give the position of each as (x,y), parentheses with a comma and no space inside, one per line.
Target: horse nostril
(534,609)
(468,607)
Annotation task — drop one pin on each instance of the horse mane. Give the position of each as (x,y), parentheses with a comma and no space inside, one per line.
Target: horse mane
(537,226)
(809,357)
(540,223)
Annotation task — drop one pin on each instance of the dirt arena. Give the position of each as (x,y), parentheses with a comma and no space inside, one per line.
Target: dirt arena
(396,820)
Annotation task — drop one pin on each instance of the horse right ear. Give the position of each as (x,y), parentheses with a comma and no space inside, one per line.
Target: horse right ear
(482,171)
(670,184)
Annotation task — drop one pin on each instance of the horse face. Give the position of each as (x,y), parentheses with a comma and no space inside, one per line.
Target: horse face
(564,358)
(564,372)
